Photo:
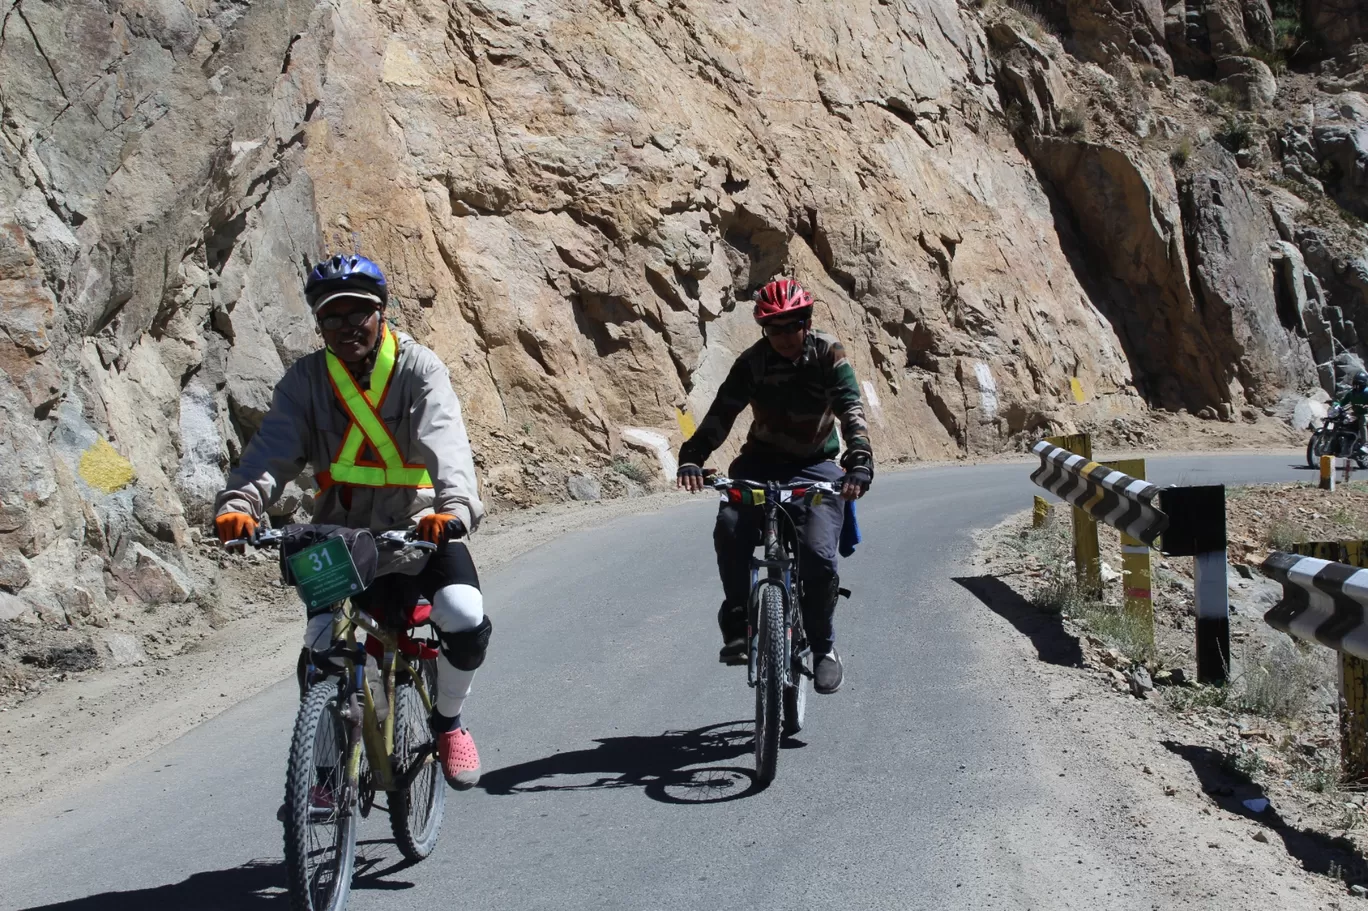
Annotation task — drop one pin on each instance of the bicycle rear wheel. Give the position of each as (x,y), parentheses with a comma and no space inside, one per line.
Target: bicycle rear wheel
(320,812)
(769,681)
(416,811)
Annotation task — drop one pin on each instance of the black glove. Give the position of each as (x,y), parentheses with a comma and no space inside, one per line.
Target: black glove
(689,470)
(859,466)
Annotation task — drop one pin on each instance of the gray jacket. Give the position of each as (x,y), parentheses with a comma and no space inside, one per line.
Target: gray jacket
(305,427)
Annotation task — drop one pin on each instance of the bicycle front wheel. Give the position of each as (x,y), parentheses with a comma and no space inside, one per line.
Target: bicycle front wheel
(769,681)
(416,811)
(320,811)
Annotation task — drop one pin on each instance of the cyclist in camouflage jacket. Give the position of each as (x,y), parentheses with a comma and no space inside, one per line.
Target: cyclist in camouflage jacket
(798,385)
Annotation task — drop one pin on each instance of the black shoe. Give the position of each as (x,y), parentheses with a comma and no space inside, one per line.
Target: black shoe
(828,673)
(733,651)
(732,622)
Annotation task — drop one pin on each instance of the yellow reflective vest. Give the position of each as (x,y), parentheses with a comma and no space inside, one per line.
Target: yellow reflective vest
(368,427)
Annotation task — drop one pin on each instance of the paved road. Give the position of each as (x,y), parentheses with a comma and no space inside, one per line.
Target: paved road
(602,701)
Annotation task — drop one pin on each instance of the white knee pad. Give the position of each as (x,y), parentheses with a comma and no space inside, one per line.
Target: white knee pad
(457,608)
(318,634)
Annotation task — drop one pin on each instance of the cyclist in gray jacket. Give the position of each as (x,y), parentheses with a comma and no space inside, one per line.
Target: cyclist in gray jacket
(375,417)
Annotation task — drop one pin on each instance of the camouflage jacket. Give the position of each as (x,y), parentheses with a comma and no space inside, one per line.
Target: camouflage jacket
(795,405)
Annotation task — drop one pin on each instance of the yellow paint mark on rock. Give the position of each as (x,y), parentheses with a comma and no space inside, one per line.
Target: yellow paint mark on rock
(104,469)
(685,422)
(1077,388)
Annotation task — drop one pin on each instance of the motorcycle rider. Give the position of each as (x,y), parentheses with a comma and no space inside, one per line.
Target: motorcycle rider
(798,384)
(391,457)
(1355,401)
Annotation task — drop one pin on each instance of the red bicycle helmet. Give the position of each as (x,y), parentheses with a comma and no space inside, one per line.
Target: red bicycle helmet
(779,297)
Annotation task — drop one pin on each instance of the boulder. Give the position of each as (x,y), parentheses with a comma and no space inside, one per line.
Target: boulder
(1250,78)
(583,487)
(1336,24)
(151,578)
(1340,135)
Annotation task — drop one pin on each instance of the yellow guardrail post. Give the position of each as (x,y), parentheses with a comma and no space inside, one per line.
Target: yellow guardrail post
(1327,472)
(1353,688)
(1135,562)
(1087,557)
(1040,511)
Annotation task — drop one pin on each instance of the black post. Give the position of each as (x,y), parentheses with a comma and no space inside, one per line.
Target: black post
(1197,529)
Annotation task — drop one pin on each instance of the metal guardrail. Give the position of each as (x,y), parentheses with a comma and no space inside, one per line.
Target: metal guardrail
(1185,522)
(1324,602)
(1121,501)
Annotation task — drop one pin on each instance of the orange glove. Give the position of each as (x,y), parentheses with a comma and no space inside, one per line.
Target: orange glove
(232,526)
(439,526)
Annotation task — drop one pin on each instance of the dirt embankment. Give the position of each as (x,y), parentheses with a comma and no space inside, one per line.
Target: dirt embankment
(1261,753)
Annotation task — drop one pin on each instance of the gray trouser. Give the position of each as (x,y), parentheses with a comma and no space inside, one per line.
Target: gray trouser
(739,531)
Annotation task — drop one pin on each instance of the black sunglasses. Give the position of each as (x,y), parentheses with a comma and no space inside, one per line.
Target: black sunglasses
(358,318)
(773,329)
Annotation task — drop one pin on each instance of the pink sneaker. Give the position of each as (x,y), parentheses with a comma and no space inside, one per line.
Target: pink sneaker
(460,760)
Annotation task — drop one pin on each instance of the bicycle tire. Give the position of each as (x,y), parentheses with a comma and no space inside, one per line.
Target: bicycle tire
(318,757)
(769,682)
(795,700)
(416,811)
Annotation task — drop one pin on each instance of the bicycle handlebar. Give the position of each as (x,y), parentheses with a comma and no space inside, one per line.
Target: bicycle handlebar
(719,482)
(396,540)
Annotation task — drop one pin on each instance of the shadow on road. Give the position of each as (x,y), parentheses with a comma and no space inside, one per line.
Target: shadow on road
(1230,788)
(257,884)
(665,766)
(1053,643)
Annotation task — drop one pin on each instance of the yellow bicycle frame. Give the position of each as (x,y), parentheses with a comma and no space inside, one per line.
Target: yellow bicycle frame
(378,740)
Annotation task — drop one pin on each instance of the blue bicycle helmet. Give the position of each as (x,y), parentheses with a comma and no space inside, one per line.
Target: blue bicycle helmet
(345,275)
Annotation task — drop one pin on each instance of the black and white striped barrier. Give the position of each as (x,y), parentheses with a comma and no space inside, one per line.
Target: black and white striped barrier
(1191,521)
(1110,496)
(1323,601)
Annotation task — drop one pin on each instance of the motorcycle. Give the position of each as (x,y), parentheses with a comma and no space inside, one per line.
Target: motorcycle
(1337,436)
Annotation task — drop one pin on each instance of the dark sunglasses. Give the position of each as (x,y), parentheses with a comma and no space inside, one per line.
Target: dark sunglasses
(773,329)
(358,318)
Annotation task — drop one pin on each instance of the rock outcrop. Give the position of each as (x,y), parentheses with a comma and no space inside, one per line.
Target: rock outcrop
(573,201)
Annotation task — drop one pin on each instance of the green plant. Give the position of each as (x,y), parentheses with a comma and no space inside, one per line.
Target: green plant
(1287,31)
(1037,25)
(1185,698)
(1071,121)
(527,427)
(1181,152)
(1276,58)
(1282,535)
(1281,681)
(632,470)
(1237,133)
(1120,629)
(1223,94)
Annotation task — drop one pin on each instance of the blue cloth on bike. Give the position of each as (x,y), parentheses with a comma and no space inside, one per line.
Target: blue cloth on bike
(850,530)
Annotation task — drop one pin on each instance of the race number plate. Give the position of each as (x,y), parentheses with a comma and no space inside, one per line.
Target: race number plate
(325,574)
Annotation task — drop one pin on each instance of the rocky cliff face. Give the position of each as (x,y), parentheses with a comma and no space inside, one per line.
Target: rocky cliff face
(573,200)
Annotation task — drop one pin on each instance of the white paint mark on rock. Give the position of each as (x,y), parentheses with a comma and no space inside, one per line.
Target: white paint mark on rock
(657,442)
(872,397)
(987,390)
